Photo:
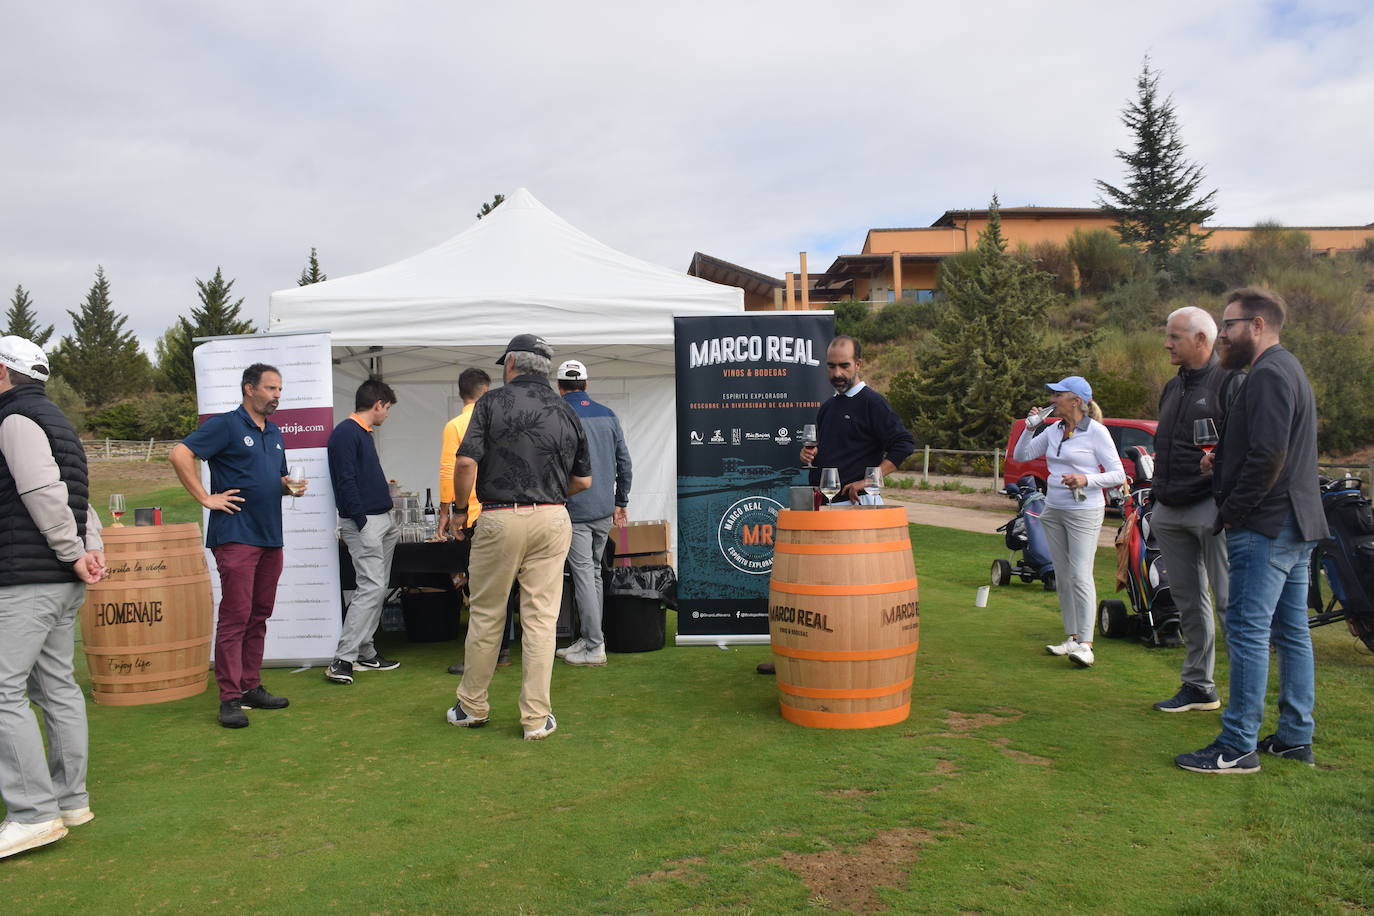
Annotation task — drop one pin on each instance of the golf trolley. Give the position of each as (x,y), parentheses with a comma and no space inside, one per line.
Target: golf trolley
(1152,615)
(1346,559)
(1024,534)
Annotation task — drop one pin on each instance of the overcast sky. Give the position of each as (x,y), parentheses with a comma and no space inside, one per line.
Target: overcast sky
(163,139)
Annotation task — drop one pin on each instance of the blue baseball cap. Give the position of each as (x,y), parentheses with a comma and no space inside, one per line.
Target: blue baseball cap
(1074,384)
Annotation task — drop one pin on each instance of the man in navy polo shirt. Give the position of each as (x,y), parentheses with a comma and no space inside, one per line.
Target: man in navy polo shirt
(247,481)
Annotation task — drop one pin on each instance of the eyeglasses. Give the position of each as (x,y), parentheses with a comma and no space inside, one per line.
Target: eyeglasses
(1227,322)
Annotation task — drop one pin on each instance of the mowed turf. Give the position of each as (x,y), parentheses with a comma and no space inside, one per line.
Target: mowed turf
(1018,784)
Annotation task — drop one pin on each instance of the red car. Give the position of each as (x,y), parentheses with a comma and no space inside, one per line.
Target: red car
(1125,433)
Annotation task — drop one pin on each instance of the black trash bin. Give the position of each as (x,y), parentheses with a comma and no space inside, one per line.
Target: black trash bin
(634,607)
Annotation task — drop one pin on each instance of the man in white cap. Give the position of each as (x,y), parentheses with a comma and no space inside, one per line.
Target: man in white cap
(593,511)
(50,549)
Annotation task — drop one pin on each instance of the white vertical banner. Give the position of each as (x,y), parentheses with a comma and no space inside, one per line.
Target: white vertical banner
(304,627)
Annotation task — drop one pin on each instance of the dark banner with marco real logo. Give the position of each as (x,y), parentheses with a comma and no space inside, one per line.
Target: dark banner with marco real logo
(746,384)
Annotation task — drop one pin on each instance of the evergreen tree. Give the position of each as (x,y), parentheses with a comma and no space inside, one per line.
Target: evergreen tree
(311,273)
(100,359)
(23,320)
(990,352)
(1160,202)
(216,316)
(487,208)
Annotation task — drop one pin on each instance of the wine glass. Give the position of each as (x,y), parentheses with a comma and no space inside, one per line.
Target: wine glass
(809,435)
(295,481)
(830,483)
(873,484)
(1205,434)
(117,509)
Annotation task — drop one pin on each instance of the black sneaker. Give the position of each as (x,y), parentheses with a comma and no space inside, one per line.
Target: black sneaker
(1190,697)
(231,714)
(259,698)
(339,671)
(1299,752)
(1219,758)
(376,663)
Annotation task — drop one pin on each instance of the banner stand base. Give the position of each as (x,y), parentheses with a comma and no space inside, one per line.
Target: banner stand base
(739,639)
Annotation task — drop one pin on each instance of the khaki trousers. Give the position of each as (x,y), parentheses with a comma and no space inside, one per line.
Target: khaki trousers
(528,544)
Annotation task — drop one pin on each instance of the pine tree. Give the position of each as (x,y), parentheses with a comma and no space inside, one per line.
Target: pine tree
(23,320)
(215,317)
(311,273)
(1160,203)
(989,353)
(487,208)
(100,359)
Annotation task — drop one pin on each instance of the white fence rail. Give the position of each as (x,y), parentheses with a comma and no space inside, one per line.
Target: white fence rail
(129,449)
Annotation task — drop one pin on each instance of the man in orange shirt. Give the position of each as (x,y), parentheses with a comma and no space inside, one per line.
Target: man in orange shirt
(472,384)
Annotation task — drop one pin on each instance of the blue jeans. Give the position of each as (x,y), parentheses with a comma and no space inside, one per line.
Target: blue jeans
(1268,603)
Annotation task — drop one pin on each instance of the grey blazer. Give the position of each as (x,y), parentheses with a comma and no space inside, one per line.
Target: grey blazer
(1266,463)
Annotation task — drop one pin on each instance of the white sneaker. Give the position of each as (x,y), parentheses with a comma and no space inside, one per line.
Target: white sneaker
(1064,648)
(539,733)
(574,646)
(16,837)
(75,817)
(587,658)
(1082,656)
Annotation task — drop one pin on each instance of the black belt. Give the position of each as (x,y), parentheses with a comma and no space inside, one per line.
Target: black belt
(491,507)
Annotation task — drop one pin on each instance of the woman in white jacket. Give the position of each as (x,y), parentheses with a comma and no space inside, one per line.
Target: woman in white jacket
(1082,459)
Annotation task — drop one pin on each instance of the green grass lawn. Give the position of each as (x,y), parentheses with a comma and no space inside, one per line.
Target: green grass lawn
(1018,784)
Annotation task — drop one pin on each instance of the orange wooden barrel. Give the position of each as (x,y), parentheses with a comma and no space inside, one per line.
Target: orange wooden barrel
(843,616)
(146,629)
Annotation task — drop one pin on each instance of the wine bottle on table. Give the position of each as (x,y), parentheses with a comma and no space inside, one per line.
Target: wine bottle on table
(431,517)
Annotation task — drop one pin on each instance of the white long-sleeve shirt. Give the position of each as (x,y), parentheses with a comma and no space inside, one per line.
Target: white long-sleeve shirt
(28,454)
(1090,452)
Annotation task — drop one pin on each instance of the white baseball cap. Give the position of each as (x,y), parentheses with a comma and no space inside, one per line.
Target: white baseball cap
(572,371)
(24,356)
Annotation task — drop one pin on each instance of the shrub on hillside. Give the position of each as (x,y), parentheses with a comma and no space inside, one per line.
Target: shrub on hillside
(151,416)
(1054,260)
(1103,262)
(67,400)
(850,317)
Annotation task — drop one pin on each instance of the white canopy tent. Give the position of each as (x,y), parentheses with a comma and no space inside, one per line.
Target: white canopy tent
(419,322)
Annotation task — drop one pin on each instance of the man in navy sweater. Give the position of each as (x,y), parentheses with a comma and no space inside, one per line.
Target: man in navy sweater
(364,501)
(857,429)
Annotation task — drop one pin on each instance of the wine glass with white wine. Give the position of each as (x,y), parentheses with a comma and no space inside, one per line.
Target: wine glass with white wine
(295,481)
(830,483)
(873,484)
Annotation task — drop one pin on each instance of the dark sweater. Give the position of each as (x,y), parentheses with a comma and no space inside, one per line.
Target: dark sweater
(360,487)
(855,433)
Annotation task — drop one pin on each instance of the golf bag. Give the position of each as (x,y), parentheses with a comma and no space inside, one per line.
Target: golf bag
(1347,559)
(1155,619)
(1025,535)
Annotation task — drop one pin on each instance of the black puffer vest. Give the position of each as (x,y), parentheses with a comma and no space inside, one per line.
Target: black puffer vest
(25,557)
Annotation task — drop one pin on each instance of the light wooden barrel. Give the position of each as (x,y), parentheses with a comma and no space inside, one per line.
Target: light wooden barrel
(843,616)
(146,629)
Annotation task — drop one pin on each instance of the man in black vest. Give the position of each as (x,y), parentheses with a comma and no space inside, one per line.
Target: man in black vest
(1184,512)
(50,548)
(1269,504)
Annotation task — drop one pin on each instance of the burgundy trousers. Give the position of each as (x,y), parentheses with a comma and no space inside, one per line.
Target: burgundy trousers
(248,591)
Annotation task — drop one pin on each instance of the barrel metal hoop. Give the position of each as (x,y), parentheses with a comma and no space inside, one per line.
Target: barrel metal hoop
(846,548)
(812,718)
(877,588)
(149,678)
(148,647)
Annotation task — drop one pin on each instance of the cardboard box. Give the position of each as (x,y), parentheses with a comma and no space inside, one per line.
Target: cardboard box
(658,558)
(640,537)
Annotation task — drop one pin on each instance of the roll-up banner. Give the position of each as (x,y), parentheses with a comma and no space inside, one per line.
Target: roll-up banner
(304,627)
(746,384)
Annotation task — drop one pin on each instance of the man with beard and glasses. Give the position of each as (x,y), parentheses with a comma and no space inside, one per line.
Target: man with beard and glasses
(247,481)
(1269,505)
(857,429)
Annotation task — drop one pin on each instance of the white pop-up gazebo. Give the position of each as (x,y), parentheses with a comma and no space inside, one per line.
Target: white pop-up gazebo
(419,322)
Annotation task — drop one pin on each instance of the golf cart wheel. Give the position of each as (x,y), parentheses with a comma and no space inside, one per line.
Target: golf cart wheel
(1001,572)
(1113,621)
(1050,582)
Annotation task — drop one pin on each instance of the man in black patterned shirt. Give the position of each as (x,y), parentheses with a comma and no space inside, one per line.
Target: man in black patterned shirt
(526,453)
